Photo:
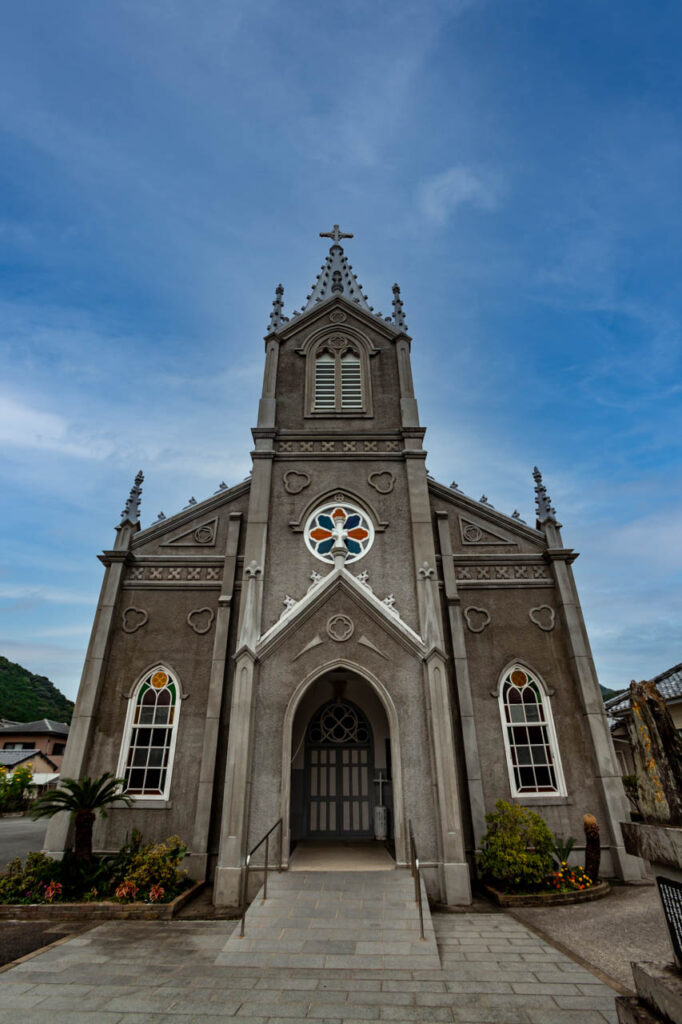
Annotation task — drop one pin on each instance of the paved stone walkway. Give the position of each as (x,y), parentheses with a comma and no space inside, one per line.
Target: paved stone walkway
(353,920)
(493,971)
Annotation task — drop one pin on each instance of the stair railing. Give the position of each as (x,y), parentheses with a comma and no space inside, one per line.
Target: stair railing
(416,875)
(245,876)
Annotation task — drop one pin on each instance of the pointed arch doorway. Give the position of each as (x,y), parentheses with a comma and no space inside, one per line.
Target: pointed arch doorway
(340,737)
(339,767)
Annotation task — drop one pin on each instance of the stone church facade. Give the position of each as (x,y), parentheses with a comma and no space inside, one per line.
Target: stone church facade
(337,619)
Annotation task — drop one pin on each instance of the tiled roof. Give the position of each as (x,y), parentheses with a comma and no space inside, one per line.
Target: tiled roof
(42,726)
(669,685)
(11,758)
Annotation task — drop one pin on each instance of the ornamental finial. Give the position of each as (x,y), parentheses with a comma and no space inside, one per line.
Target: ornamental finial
(398,311)
(131,512)
(276,317)
(545,512)
(335,234)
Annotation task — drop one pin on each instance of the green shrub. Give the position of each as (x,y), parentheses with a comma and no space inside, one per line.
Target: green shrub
(517,849)
(25,883)
(157,865)
(143,871)
(563,848)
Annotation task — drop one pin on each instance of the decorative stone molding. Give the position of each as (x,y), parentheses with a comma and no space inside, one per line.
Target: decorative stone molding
(330,446)
(173,573)
(253,570)
(340,628)
(370,646)
(133,619)
(383,481)
(476,618)
(315,642)
(478,533)
(295,482)
(502,573)
(200,619)
(426,572)
(338,316)
(543,616)
(203,535)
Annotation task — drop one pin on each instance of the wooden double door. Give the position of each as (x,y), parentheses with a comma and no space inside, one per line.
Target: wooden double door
(339,768)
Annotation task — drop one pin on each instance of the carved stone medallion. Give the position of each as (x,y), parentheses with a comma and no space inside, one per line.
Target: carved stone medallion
(543,617)
(340,628)
(295,482)
(383,482)
(476,618)
(134,619)
(337,317)
(200,619)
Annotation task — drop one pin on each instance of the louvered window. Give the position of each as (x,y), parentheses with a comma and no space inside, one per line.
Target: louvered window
(325,381)
(351,381)
(338,382)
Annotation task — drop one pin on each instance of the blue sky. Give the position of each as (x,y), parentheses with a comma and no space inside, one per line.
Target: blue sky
(515,165)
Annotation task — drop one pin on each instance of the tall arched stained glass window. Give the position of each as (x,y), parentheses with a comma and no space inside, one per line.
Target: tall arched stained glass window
(149,739)
(529,736)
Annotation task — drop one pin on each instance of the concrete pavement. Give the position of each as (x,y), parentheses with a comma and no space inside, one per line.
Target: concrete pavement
(19,836)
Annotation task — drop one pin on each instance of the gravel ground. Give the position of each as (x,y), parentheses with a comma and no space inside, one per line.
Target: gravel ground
(19,836)
(609,933)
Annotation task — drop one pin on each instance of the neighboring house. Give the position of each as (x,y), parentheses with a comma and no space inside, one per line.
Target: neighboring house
(45,771)
(669,685)
(45,736)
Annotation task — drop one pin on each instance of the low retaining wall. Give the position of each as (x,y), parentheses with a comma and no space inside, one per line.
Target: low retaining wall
(99,911)
(547,899)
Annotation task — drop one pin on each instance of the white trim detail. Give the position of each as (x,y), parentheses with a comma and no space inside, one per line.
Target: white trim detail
(544,722)
(132,699)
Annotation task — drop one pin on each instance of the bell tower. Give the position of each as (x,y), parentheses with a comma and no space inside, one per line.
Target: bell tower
(339,477)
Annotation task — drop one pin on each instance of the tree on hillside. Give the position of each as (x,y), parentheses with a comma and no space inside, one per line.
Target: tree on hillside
(27,697)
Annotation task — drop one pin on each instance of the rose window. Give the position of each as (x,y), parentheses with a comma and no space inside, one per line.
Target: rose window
(339,526)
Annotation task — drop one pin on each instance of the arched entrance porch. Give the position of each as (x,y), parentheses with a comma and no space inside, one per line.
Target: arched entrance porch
(340,736)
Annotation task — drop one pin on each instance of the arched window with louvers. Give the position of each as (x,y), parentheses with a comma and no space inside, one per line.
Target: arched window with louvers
(340,378)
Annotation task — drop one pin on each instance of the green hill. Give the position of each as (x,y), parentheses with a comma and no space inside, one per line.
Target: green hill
(607,694)
(26,697)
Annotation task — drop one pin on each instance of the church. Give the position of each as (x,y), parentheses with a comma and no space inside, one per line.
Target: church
(340,641)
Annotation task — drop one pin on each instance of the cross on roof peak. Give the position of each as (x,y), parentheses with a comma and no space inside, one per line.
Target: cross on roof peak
(335,234)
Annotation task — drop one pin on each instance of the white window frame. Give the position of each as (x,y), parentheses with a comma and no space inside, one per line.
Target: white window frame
(551,735)
(130,724)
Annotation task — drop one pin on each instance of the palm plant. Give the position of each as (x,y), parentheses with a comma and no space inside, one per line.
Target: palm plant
(82,798)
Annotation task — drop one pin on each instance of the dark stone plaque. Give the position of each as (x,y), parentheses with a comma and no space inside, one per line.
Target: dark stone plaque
(670,892)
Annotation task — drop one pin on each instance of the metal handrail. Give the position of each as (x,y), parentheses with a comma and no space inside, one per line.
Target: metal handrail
(245,877)
(416,874)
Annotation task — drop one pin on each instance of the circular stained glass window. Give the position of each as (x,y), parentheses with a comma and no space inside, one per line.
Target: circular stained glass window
(339,523)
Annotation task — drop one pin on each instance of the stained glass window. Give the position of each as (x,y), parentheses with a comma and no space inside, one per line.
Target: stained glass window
(530,741)
(149,739)
(343,524)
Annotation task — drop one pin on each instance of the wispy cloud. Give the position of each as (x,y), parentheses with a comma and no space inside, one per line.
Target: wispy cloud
(438,197)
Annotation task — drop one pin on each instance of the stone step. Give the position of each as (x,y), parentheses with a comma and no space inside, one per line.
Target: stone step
(363,920)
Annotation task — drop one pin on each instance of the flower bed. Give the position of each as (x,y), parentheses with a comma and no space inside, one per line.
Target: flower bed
(547,898)
(99,910)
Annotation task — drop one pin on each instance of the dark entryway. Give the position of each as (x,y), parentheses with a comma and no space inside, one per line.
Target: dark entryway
(339,773)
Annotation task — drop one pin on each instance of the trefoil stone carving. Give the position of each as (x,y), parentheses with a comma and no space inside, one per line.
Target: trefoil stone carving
(477,618)
(295,482)
(383,481)
(134,619)
(200,619)
(543,616)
